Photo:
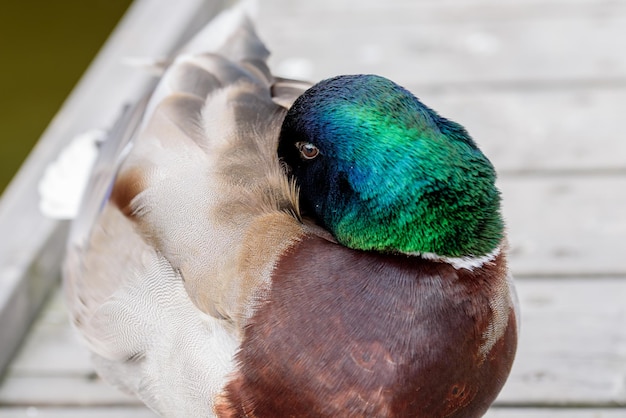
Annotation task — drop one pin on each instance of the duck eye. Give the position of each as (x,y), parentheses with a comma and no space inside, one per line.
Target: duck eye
(307,150)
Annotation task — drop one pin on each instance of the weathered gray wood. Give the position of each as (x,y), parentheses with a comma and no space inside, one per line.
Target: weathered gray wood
(493,43)
(61,391)
(53,347)
(572,349)
(572,352)
(32,246)
(566,225)
(538,84)
(24,287)
(541,87)
(447,9)
(88,412)
(559,225)
(567,130)
(554,413)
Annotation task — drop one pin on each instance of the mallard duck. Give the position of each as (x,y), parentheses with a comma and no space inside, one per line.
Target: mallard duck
(257,246)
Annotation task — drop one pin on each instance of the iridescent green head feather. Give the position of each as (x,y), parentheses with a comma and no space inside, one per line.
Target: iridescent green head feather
(384,172)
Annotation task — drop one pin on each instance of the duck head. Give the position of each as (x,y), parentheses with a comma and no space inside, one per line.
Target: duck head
(384,172)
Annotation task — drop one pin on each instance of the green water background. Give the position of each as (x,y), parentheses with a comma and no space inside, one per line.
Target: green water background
(45,46)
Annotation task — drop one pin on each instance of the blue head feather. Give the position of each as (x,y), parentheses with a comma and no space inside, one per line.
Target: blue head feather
(390,173)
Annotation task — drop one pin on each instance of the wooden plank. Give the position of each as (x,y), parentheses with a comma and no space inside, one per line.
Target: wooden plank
(570,130)
(327,12)
(426,43)
(530,111)
(448,9)
(554,413)
(23,288)
(31,247)
(566,225)
(53,347)
(53,367)
(572,350)
(104,412)
(529,98)
(61,391)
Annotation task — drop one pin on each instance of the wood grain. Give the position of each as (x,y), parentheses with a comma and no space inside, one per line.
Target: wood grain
(32,246)
(540,85)
(572,351)
(566,225)
(492,43)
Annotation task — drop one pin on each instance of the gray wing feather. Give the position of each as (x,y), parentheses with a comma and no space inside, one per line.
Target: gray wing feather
(103,173)
(184,214)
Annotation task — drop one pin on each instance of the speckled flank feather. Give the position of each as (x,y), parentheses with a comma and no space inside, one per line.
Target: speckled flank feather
(197,215)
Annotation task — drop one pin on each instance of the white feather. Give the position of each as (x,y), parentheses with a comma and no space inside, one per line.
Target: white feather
(63,183)
(468,263)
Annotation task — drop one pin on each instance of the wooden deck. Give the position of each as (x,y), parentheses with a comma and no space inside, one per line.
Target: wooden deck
(541,86)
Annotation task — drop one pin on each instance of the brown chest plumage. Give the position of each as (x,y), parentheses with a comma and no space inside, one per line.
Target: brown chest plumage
(349,333)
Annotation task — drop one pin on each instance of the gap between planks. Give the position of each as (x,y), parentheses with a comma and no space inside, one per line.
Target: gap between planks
(572,352)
